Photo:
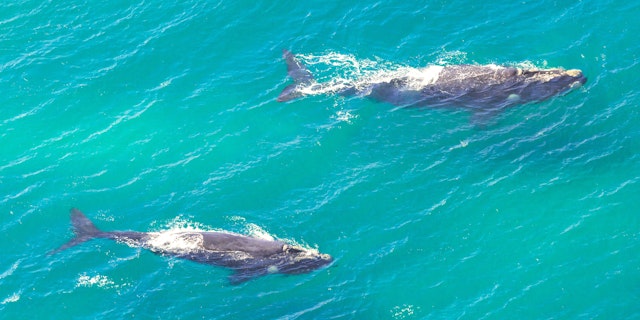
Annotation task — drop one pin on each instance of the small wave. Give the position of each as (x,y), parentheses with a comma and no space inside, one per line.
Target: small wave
(17,162)
(11,270)
(312,308)
(167,82)
(39,171)
(12,298)
(22,192)
(53,140)
(123,185)
(128,115)
(31,112)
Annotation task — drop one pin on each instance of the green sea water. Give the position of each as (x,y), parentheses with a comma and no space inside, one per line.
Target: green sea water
(152,115)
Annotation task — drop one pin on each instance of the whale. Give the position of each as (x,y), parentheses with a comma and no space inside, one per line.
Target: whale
(247,256)
(485,90)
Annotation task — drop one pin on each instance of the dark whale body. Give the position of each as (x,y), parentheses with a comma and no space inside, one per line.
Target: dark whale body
(249,257)
(483,89)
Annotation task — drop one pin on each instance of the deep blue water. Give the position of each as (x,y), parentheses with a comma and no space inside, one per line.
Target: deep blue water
(153,116)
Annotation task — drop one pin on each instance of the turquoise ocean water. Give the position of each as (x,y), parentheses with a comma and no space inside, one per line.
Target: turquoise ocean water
(151,115)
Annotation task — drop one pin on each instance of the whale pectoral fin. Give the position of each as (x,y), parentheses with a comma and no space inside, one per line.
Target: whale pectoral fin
(244,275)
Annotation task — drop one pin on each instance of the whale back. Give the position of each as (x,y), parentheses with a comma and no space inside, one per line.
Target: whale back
(222,241)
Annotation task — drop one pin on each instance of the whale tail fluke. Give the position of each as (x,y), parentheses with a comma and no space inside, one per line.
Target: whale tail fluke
(299,73)
(83,229)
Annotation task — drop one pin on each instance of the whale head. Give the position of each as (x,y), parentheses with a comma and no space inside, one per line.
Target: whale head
(301,260)
(566,78)
(542,84)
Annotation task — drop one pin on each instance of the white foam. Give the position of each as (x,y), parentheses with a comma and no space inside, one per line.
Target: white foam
(530,65)
(345,116)
(404,311)
(255,231)
(335,73)
(98,280)
(451,57)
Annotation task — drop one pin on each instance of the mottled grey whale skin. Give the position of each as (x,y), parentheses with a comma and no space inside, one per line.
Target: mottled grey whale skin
(249,257)
(483,89)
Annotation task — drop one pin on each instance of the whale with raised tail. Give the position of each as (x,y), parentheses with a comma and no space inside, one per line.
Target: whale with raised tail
(249,257)
(483,89)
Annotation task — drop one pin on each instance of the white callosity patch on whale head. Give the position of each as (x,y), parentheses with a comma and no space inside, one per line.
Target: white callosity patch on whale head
(574,73)
(548,74)
(304,253)
(577,74)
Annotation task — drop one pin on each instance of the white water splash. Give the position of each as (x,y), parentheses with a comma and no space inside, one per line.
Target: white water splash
(419,78)
(451,57)
(98,280)
(335,73)
(404,311)
(255,231)
(345,116)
